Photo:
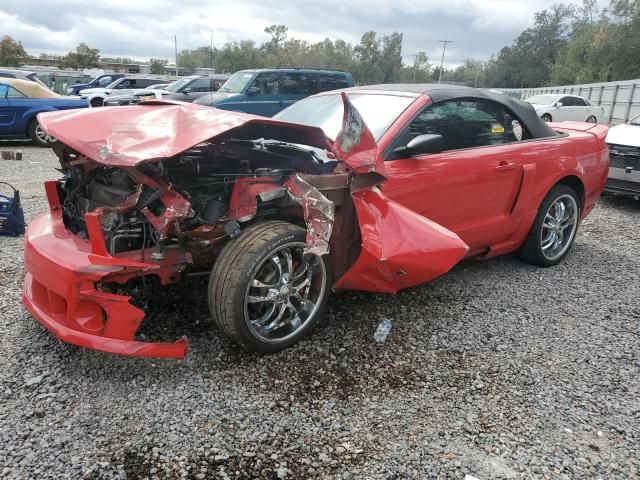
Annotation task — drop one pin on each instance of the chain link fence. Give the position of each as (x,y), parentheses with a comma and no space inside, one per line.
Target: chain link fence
(619,100)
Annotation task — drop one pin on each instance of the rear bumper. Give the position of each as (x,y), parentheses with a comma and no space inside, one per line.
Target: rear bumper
(60,292)
(623,182)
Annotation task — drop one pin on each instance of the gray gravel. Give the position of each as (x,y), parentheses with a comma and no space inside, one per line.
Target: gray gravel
(497,370)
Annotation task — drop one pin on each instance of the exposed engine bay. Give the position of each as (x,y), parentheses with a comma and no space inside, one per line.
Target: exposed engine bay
(194,200)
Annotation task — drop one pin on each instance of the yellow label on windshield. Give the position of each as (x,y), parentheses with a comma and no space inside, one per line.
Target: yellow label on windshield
(497,128)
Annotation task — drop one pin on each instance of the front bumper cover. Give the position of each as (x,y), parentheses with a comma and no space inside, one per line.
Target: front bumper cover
(60,291)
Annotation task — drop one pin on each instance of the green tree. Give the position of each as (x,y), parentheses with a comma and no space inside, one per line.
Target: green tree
(368,68)
(157,65)
(83,57)
(12,53)
(391,57)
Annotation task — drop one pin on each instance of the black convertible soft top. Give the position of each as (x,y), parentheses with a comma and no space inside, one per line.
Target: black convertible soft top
(439,92)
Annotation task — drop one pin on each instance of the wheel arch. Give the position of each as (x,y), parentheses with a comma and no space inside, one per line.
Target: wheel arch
(576,184)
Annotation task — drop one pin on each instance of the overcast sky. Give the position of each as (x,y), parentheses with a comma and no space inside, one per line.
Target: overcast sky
(145,28)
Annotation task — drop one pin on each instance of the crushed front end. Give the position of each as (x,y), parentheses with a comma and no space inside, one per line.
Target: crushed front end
(113,230)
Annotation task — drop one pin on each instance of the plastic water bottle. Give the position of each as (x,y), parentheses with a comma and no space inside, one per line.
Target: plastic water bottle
(383,330)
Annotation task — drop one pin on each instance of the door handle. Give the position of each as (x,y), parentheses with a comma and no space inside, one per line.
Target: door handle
(503,166)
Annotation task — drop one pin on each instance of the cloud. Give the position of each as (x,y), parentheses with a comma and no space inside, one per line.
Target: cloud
(478,28)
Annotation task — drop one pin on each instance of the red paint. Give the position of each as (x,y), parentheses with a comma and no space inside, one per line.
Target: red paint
(399,247)
(244,196)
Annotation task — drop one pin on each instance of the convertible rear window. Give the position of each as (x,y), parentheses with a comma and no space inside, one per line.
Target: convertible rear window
(468,123)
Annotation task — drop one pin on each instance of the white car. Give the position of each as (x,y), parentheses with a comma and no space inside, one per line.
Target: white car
(121,86)
(560,108)
(624,151)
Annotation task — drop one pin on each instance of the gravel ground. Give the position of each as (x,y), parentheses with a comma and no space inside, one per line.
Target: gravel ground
(496,370)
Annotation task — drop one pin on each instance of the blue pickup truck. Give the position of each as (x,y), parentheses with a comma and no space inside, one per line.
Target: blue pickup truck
(266,91)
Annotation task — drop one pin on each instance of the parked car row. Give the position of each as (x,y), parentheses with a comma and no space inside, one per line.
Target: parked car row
(185,89)
(266,92)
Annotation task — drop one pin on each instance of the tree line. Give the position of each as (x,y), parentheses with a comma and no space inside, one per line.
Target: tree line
(567,44)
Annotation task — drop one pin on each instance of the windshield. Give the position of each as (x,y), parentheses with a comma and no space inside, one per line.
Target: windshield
(237,82)
(541,99)
(177,85)
(34,78)
(326,111)
(635,121)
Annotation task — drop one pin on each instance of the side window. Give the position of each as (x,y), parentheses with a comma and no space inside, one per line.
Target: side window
(331,81)
(294,83)
(567,101)
(13,93)
(579,102)
(200,85)
(3,91)
(268,83)
(468,123)
(103,82)
(144,82)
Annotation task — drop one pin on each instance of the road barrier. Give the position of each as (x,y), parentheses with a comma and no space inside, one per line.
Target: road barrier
(619,100)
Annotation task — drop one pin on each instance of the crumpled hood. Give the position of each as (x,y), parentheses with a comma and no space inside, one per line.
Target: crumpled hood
(624,135)
(155,130)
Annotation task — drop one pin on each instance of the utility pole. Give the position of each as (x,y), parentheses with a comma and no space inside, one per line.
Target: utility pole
(444,49)
(415,66)
(175,45)
(211,50)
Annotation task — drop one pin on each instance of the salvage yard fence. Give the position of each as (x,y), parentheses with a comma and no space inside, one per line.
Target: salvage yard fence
(619,100)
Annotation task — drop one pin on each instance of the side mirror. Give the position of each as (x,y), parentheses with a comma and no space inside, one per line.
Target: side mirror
(186,90)
(422,144)
(253,91)
(559,104)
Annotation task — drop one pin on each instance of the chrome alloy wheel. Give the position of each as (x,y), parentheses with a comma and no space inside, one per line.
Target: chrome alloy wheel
(284,293)
(559,227)
(43,136)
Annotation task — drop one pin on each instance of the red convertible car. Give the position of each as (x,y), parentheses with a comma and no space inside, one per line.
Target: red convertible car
(373,188)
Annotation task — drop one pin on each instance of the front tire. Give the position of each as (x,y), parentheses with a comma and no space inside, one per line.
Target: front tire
(554,228)
(264,293)
(592,119)
(38,135)
(546,117)
(96,102)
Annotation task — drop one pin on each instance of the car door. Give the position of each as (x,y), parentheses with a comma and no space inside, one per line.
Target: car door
(196,89)
(14,103)
(296,86)
(581,111)
(263,95)
(565,112)
(6,116)
(471,186)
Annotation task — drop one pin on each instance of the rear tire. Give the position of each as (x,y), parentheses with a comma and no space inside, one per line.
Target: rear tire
(38,135)
(592,119)
(554,229)
(546,117)
(263,292)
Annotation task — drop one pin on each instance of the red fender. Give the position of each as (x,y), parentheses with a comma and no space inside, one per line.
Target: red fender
(399,247)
